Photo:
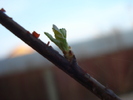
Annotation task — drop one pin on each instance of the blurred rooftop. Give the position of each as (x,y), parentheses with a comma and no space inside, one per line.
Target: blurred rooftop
(102,45)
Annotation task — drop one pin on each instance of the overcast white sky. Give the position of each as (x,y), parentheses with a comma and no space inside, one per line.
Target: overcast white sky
(83,19)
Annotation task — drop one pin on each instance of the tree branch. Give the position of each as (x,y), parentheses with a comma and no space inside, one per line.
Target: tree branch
(71,68)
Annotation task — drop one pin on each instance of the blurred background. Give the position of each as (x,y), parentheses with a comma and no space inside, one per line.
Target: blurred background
(100,33)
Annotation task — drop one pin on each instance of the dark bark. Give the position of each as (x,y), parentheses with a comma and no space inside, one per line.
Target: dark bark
(70,67)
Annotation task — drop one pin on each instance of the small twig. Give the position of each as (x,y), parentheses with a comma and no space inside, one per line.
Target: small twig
(71,68)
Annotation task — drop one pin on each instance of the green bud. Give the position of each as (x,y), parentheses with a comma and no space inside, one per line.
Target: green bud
(60,40)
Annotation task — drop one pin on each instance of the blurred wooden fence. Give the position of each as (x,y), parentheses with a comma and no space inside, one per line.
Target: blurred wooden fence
(114,70)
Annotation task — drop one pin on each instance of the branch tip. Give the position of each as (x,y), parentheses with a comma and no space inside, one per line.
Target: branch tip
(3,10)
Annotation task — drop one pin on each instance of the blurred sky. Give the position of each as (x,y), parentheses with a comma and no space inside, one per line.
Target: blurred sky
(83,19)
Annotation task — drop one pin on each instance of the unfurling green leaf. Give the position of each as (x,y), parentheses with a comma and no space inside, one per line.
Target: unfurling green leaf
(60,41)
